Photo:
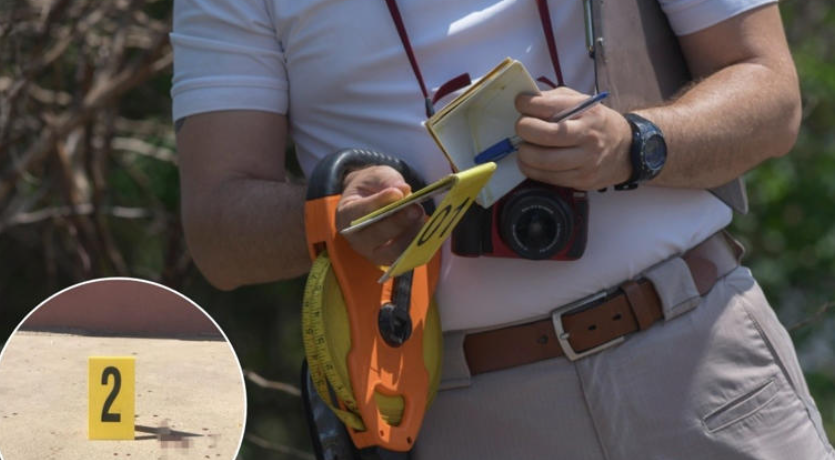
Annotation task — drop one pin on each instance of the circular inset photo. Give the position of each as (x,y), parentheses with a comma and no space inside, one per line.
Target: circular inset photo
(120,368)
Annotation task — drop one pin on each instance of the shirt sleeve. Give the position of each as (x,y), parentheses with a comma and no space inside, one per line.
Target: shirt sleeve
(226,57)
(689,16)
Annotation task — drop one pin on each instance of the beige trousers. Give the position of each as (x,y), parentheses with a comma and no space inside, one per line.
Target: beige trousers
(718,379)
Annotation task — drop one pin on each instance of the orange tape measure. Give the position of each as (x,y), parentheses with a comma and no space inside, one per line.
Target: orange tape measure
(389,323)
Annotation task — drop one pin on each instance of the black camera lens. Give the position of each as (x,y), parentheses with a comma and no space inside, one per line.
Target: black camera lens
(536,224)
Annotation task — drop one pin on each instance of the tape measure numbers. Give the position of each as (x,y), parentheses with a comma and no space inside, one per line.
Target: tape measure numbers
(316,346)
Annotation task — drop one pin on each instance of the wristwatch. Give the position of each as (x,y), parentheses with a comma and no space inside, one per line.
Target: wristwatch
(648,152)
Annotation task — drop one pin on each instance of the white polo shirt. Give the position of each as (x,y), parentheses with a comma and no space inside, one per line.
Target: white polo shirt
(338,70)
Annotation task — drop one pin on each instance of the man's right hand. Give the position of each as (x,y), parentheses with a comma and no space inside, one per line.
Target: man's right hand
(366,190)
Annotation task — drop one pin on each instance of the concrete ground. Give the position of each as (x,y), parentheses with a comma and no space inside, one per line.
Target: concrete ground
(190,399)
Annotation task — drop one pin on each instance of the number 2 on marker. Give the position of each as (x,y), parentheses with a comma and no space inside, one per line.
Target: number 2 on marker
(111,398)
(106,416)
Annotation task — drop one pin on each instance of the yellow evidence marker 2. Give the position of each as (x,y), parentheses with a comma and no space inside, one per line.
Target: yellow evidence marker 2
(111,384)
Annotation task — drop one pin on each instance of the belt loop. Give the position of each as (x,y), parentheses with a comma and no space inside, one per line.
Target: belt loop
(675,287)
(455,372)
(682,281)
(737,247)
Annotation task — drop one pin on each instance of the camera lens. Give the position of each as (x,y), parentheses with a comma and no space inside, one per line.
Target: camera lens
(536,224)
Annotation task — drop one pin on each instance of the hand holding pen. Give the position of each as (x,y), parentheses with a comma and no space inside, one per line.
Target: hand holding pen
(590,152)
(509,145)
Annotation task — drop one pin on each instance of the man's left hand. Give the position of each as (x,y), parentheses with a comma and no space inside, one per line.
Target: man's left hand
(588,152)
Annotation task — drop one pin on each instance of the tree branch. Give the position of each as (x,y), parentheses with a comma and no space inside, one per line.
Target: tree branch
(271,385)
(824,309)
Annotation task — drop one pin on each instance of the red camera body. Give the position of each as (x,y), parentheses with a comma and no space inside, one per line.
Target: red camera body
(533,221)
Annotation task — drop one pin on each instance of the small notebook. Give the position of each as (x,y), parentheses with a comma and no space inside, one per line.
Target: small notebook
(478,118)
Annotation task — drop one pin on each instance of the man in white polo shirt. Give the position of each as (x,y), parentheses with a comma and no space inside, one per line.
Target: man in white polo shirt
(705,370)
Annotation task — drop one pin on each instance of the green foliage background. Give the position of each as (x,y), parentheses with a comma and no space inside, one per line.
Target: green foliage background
(789,233)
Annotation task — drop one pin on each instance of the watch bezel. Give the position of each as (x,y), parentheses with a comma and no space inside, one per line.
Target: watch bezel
(642,131)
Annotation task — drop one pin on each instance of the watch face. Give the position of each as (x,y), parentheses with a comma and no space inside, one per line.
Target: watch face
(655,152)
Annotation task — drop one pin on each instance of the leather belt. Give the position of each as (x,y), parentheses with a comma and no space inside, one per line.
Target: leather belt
(599,321)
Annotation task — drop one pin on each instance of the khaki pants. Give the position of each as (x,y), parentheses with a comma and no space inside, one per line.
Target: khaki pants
(718,379)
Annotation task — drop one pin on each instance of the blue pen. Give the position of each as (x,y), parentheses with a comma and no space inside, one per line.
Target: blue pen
(509,145)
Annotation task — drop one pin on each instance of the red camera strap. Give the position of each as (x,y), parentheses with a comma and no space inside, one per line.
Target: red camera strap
(407,45)
(464,79)
(551,40)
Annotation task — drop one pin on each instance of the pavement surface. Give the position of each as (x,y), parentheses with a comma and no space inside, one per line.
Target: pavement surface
(190,399)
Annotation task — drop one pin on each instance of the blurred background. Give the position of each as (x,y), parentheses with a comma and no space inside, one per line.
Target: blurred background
(89,188)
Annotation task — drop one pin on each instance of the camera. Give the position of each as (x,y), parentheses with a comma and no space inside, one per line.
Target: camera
(534,221)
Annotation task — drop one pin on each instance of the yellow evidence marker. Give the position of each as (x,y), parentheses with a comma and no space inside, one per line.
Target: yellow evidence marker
(463,188)
(111,384)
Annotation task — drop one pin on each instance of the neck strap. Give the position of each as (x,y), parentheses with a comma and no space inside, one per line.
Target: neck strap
(551,40)
(464,79)
(407,45)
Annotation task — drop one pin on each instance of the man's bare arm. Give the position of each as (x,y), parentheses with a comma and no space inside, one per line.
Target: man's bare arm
(244,221)
(743,109)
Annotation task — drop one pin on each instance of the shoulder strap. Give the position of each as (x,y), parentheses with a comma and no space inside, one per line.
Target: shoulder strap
(637,74)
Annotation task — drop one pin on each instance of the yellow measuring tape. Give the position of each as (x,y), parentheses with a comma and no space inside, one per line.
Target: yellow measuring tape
(327,341)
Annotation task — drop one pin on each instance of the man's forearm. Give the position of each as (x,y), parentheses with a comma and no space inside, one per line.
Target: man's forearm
(727,124)
(249,231)
(744,108)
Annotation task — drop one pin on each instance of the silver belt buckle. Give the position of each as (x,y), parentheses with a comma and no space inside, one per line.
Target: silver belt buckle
(563,336)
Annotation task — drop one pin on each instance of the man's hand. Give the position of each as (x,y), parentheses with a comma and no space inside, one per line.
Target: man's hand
(367,190)
(588,152)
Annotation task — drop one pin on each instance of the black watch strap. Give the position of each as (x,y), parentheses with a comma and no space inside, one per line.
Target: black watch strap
(647,153)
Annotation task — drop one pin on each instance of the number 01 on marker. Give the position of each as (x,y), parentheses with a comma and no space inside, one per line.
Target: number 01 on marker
(112,399)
